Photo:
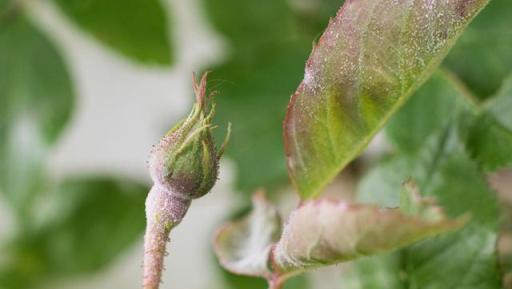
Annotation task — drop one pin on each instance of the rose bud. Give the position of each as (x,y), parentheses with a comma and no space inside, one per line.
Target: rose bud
(184,166)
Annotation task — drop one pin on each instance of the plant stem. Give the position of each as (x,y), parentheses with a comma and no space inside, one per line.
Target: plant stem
(164,210)
(275,283)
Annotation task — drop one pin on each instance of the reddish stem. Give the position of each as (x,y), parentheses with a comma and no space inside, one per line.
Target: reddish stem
(164,210)
(275,283)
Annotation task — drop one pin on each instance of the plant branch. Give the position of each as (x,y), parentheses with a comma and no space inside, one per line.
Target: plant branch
(164,211)
(276,283)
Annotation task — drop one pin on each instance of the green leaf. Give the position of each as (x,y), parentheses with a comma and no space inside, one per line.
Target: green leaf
(377,272)
(249,23)
(482,57)
(444,171)
(459,186)
(270,41)
(489,139)
(136,28)
(86,223)
(371,57)
(490,143)
(428,109)
(4,4)
(251,100)
(36,99)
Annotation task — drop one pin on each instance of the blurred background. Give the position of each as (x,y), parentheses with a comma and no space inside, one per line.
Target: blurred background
(87,86)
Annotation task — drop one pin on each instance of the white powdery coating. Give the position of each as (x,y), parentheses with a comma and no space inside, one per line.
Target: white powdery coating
(372,56)
(244,247)
(328,232)
(164,210)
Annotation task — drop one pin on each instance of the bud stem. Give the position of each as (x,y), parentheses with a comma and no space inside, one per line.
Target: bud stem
(164,210)
(275,284)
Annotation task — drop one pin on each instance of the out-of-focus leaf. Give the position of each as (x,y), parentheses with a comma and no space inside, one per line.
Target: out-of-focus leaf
(36,98)
(3,6)
(244,247)
(270,42)
(482,57)
(377,272)
(252,100)
(136,28)
(489,140)
(371,57)
(323,232)
(88,222)
(490,143)
(95,219)
(459,186)
(250,23)
(444,171)
(427,110)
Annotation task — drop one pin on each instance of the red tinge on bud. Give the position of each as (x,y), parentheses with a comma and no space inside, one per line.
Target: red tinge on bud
(183,166)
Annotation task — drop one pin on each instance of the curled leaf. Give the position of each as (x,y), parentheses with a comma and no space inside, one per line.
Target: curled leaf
(243,247)
(371,57)
(326,232)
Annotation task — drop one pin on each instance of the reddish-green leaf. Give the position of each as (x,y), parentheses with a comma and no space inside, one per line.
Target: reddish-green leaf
(325,232)
(321,233)
(371,57)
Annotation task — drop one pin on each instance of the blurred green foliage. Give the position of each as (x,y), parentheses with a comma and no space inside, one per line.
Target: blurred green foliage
(83,224)
(482,57)
(136,28)
(270,42)
(490,137)
(36,102)
(79,225)
(435,156)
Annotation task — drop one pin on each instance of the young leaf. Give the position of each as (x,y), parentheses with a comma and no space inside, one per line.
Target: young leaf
(489,140)
(36,99)
(136,28)
(244,247)
(371,57)
(323,232)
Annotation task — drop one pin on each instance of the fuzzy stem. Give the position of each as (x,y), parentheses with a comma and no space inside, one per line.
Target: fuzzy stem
(275,282)
(164,210)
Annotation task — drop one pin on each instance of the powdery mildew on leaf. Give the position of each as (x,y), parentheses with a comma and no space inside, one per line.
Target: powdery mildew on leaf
(371,57)
(244,246)
(327,232)
(323,232)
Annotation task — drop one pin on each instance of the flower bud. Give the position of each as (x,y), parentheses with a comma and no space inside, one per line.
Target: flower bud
(184,166)
(186,161)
